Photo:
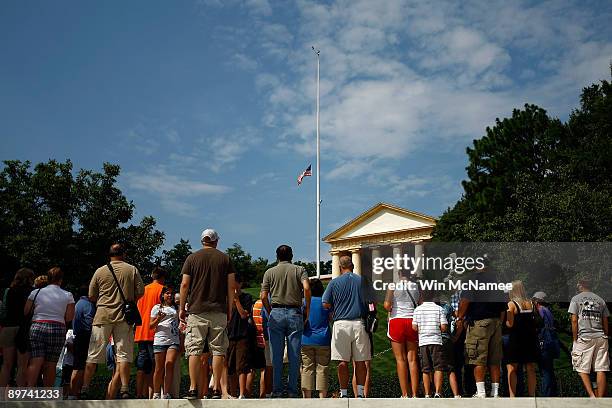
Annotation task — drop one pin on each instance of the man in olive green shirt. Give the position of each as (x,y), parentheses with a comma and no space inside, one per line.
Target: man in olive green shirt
(289,289)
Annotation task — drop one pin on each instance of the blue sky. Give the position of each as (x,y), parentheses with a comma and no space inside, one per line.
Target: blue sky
(208,106)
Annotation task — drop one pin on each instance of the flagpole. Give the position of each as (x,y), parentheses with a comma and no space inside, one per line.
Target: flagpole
(318,177)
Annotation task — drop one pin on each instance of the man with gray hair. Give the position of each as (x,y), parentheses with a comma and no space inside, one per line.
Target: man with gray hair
(350,340)
(209,282)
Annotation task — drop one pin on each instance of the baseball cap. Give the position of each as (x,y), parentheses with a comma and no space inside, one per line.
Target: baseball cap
(209,235)
(539,296)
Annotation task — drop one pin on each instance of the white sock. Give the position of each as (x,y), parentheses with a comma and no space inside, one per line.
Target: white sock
(495,389)
(344,392)
(480,388)
(360,390)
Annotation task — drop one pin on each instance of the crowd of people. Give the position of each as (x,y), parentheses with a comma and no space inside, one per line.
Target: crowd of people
(228,337)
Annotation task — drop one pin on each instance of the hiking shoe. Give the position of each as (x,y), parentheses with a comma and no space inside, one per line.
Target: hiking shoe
(191,395)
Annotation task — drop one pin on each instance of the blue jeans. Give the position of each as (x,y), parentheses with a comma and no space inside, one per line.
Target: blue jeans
(285,324)
(549,383)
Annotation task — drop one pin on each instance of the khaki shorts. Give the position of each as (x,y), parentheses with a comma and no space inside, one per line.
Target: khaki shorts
(590,355)
(268,354)
(483,343)
(7,336)
(315,366)
(350,341)
(206,328)
(123,337)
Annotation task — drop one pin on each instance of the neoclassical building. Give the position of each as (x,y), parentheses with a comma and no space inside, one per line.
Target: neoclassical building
(383,230)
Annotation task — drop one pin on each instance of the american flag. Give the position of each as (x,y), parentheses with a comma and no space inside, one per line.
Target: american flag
(306,173)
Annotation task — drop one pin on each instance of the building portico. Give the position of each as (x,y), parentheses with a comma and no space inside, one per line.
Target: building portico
(384,230)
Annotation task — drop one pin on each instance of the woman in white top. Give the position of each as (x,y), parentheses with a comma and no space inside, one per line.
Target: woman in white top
(166,342)
(52,308)
(400,303)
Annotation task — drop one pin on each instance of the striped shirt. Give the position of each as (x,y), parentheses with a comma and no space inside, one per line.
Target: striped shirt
(428,317)
(259,323)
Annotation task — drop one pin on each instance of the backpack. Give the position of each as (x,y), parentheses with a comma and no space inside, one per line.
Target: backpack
(548,338)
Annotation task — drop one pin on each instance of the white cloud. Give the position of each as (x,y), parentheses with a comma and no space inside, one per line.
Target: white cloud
(399,76)
(259,7)
(244,62)
(222,152)
(159,181)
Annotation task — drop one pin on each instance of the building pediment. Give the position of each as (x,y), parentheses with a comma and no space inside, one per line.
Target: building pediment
(383,218)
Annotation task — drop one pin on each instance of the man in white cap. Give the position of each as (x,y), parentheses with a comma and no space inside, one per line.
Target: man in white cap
(209,282)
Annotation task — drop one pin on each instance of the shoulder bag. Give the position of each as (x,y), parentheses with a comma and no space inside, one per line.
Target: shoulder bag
(23,333)
(130,310)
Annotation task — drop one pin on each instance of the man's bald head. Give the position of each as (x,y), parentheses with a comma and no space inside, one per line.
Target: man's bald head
(346,264)
(116,251)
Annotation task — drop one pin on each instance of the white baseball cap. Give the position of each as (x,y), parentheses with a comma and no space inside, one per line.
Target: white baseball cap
(209,235)
(539,296)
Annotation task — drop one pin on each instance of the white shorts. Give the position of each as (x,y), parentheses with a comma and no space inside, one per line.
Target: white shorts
(350,341)
(590,355)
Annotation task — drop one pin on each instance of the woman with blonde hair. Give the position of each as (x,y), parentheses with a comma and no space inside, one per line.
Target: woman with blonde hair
(523,338)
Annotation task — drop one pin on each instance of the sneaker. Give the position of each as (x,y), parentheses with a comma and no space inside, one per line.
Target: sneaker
(457,396)
(84,395)
(479,395)
(216,394)
(241,397)
(192,394)
(167,396)
(124,395)
(156,396)
(436,395)
(427,396)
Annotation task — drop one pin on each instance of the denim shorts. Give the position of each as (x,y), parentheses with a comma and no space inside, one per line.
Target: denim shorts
(145,361)
(163,349)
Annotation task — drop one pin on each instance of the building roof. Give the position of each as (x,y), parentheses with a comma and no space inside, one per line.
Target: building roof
(380,219)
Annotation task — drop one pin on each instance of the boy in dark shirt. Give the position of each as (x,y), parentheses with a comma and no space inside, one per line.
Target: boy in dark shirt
(238,333)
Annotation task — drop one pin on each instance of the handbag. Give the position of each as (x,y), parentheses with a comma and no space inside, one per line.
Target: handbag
(23,333)
(129,308)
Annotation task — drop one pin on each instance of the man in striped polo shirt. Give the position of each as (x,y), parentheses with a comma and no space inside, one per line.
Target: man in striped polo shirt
(429,320)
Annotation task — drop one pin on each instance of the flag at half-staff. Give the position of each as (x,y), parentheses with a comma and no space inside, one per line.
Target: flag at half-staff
(305,173)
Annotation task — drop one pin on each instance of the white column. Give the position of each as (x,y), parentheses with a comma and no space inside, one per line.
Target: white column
(356,258)
(397,251)
(376,254)
(419,250)
(335,264)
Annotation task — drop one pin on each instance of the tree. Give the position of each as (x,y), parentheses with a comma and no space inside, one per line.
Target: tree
(533,178)
(50,217)
(172,260)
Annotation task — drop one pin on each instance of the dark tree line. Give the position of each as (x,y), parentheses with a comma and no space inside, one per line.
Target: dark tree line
(51,215)
(535,178)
